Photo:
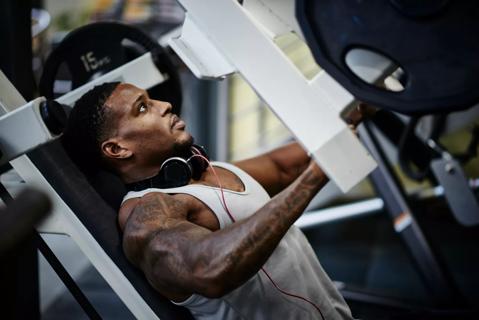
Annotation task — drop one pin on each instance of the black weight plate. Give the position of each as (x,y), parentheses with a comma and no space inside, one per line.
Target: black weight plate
(434,42)
(97,48)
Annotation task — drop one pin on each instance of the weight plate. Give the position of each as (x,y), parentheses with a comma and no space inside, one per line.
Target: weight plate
(434,42)
(97,48)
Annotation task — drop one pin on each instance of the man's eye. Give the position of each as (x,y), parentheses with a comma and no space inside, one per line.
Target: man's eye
(142,107)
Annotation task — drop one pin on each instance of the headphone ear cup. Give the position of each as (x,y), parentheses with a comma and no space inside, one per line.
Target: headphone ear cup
(197,149)
(175,172)
(198,164)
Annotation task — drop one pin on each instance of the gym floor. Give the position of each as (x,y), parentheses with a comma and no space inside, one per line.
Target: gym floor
(363,253)
(367,255)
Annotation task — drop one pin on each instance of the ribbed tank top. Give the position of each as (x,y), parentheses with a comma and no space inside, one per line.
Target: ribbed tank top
(293,264)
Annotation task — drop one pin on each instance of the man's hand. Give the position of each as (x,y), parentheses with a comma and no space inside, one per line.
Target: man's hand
(358,114)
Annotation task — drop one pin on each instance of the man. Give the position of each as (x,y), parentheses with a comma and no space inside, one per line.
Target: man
(219,245)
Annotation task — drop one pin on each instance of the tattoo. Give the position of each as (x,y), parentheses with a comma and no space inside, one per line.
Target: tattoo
(150,216)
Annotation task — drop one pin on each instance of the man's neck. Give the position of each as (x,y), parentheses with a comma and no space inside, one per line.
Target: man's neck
(134,173)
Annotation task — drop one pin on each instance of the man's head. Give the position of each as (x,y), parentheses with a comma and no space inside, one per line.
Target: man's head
(118,127)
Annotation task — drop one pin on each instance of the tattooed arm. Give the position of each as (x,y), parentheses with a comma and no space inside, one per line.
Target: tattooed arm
(180,258)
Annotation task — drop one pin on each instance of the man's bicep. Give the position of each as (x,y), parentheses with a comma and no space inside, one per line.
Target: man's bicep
(158,239)
(263,170)
(276,169)
(170,258)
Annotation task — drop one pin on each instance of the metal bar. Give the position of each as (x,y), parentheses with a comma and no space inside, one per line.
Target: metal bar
(361,208)
(392,127)
(377,300)
(67,280)
(19,276)
(315,218)
(440,284)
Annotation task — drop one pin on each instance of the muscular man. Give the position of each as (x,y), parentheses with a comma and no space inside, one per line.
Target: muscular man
(224,252)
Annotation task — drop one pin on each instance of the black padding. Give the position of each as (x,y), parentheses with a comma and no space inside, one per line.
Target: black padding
(53,115)
(99,218)
(108,186)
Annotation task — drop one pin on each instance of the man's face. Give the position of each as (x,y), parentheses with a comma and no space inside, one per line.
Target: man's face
(146,127)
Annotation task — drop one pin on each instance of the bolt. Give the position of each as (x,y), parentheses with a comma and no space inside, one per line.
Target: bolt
(449,167)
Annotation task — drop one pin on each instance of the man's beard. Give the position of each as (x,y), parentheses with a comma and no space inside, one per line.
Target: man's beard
(183,149)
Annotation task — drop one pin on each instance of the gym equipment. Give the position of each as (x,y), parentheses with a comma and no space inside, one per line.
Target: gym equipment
(444,168)
(84,215)
(97,48)
(213,51)
(433,42)
(311,109)
(51,158)
(459,194)
(45,117)
(20,216)
(18,252)
(438,281)
(80,212)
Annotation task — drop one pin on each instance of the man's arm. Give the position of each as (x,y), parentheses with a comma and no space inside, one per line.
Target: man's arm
(180,258)
(275,170)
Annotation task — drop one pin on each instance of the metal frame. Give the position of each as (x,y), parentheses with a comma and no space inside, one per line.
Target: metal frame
(140,72)
(56,265)
(310,109)
(13,140)
(431,269)
(62,220)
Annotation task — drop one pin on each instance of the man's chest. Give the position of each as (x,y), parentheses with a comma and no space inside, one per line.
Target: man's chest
(198,211)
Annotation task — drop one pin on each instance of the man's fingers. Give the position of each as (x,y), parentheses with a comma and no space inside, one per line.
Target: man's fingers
(353,129)
(359,113)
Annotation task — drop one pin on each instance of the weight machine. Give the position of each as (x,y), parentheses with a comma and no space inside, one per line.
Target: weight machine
(213,51)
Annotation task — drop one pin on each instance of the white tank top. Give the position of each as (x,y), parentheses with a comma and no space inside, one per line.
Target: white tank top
(293,265)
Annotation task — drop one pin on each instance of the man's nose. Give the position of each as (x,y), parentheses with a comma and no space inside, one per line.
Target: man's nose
(165,107)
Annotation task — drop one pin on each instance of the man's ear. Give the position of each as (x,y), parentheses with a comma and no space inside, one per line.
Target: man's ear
(115,150)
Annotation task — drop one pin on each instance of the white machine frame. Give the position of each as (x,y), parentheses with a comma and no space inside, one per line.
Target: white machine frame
(13,140)
(140,72)
(234,38)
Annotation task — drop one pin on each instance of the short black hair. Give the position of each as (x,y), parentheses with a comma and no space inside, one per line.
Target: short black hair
(87,126)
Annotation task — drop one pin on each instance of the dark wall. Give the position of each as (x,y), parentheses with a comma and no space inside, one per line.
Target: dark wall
(16,45)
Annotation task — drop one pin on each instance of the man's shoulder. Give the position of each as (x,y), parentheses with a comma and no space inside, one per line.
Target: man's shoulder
(151,203)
